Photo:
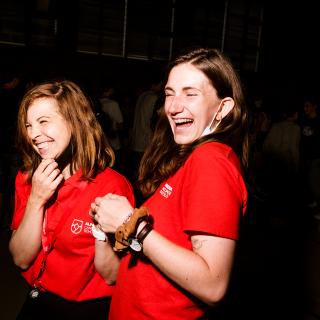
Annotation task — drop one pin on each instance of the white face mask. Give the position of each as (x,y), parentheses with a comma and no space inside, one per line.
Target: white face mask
(208,129)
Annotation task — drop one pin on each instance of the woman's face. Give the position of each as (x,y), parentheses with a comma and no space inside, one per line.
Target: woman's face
(48,131)
(191,103)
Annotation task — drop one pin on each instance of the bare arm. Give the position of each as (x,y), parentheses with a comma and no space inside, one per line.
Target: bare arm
(25,242)
(106,261)
(203,271)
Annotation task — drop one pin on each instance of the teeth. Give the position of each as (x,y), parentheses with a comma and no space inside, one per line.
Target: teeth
(42,145)
(182,121)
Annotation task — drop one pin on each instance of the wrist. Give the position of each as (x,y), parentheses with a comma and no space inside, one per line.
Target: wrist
(128,217)
(128,230)
(140,227)
(99,234)
(136,243)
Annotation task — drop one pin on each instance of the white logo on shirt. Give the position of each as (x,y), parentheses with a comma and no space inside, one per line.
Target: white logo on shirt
(88,227)
(76,226)
(166,190)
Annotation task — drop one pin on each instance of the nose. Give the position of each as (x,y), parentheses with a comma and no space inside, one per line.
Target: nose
(33,132)
(174,104)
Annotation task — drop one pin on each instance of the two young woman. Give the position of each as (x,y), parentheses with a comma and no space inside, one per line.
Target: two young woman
(192,178)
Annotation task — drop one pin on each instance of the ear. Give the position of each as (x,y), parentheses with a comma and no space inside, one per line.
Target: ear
(227,105)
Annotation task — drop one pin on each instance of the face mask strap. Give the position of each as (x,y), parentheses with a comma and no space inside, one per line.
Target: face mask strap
(208,129)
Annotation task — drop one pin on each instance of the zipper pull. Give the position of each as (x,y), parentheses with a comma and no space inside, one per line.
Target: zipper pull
(34,293)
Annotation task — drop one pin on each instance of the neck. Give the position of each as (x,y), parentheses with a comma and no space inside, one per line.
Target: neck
(64,162)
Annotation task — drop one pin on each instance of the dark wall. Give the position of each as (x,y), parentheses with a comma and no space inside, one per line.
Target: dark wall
(291,50)
(289,54)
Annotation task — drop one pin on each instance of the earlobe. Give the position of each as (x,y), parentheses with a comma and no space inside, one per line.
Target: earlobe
(226,106)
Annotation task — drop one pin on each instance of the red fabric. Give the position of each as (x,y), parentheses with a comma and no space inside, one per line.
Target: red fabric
(208,195)
(70,271)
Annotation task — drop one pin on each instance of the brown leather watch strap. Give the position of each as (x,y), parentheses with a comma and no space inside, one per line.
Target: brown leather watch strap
(124,232)
(144,232)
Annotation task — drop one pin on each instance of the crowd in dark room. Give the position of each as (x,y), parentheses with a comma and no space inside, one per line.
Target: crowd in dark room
(276,273)
(277,266)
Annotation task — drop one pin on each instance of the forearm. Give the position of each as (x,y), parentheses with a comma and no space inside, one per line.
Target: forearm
(203,270)
(25,242)
(206,281)
(106,261)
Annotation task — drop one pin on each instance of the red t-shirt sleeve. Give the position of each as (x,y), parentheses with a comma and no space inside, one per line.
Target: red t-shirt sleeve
(22,191)
(123,187)
(216,194)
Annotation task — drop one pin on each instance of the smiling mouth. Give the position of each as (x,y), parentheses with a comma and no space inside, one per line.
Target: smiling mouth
(42,145)
(183,122)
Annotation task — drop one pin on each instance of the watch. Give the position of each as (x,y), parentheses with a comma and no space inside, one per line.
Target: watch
(136,243)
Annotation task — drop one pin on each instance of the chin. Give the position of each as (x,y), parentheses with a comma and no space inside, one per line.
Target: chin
(43,156)
(183,140)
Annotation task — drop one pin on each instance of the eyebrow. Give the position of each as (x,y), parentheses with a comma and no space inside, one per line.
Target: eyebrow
(183,89)
(42,117)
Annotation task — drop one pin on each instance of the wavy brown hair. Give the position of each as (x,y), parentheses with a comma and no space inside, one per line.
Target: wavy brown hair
(163,156)
(90,150)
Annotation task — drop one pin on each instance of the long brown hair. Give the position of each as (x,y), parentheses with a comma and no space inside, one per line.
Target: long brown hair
(91,152)
(164,157)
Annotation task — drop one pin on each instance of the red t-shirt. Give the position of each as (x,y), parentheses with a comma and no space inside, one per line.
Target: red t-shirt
(70,271)
(207,194)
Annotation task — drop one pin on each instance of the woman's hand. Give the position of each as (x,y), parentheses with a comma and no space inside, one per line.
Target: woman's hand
(45,180)
(110,211)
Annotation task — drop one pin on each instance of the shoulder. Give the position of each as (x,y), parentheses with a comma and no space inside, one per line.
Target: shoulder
(213,155)
(21,178)
(112,174)
(111,181)
(111,178)
(22,186)
(214,150)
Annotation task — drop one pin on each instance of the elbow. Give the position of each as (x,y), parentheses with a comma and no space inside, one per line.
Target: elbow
(19,260)
(109,275)
(214,299)
(214,294)
(110,280)
(20,263)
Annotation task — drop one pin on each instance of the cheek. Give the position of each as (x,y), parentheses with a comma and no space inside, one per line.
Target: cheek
(60,131)
(27,133)
(166,107)
(66,136)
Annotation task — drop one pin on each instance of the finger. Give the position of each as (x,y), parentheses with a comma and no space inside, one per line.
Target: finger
(54,174)
(44,164)
(97,201)
(93,207)
(96,218)
(91,214)
(50,168)
(98,226)
(109,196)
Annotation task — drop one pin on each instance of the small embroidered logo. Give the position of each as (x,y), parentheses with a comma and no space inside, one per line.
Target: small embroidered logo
(166,190)
(76,226)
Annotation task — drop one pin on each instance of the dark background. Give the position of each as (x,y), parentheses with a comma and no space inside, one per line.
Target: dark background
(273,44)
